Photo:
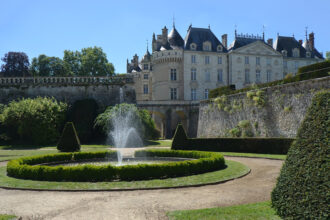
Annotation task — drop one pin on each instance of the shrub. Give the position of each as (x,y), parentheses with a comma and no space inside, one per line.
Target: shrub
(180,136)
(144,124)
(34,121)
(28,168)
(69,141)
(302,189)
(82,114)
(243,145)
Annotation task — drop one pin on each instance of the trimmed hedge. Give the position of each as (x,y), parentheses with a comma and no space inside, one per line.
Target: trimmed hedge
(302,189)
(242,145)
(304,73)
(27,168)
(69,141)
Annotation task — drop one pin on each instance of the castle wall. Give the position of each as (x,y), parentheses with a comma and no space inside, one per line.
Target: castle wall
(284,109)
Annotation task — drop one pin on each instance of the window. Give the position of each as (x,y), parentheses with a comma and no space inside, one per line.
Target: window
(285,64)
(308,54)
(206,46)
(219,60)
(207,59)
(173,74)
(145,89)
(258,77)
(206,93)
(193,58)
(219,48)
(193,94)
(247,76)
(268,61)
(173,94)
(246,60)
(192,46)
(193,74)
(269,75)
(257,60)
(145,76)
(219,75)
(145,66)
(295,52)
(284,53)
(207,75)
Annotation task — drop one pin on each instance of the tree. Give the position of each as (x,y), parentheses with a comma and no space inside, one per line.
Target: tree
(16,64)
(48,66)
(91,61)
(327,55)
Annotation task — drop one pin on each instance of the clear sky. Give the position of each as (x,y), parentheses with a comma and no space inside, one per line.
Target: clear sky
(123,27)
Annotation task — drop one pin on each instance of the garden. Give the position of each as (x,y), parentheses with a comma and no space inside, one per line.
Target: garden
(45,146)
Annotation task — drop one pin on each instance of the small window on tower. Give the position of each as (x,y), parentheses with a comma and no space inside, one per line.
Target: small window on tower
(145,66)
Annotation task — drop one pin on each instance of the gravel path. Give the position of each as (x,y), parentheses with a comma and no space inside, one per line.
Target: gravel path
(143,204)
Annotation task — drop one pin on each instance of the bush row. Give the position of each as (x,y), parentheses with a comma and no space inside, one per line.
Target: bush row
(23,167)
(313,71)
(242,145)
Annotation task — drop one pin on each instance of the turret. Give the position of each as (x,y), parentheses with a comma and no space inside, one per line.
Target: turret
(164,35)
(154,43)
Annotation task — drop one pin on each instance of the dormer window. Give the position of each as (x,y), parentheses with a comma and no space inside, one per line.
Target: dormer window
(193,46)
(219,48)
(207,46)
(308,54)
(284,53)
(295,52)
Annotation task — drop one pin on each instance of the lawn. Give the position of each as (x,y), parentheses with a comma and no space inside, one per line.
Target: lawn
(7,217)
(233,170)
(255,211)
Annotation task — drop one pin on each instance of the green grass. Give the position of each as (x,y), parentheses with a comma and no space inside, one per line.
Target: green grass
(255,211)
(7,217)
(270,156)
(233,170)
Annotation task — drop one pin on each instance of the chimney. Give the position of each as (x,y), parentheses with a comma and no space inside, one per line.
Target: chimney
(154,42)
(224,40)
(164,35)
(270,41)
(300,42)
(311,40)
(136,60)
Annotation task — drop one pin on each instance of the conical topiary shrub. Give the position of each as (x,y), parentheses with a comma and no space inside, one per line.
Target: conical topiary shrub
(69,141)
(302,189)
(180,137)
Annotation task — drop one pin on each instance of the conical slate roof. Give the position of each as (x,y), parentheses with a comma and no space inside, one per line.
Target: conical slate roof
(175,39)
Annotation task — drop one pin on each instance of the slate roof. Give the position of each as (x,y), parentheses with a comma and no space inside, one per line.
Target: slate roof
(288,44)
(146,57)
(175,39)
(200,35)
(242,41)
(315,53)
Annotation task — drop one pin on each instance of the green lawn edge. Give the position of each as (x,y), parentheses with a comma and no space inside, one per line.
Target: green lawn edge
(253,211)
(7,217)
(234,170)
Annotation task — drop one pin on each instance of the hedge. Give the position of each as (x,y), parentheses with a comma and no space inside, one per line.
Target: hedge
(27,168)
(242,145)
(313,71)
(302,189)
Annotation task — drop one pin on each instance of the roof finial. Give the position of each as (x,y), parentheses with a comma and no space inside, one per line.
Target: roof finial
(293,35)
(306,29)
(147,46)
(209,26)
(235,30)
(263,32)
(173,21)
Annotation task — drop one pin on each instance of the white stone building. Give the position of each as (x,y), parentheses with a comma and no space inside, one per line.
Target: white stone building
(187,69)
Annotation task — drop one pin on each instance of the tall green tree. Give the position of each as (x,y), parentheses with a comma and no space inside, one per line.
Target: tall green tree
(16,64)
(327,55)
(48,66)
(72,62)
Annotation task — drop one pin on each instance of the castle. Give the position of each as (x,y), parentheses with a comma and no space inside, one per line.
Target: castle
(187,69)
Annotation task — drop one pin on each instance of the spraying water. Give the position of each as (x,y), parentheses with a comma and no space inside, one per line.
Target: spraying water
(124,131)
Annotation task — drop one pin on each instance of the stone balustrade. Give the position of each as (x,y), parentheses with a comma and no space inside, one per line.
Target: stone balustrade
(106,80)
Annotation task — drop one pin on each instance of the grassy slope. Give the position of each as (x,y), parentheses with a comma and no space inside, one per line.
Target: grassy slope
(261,210)
(7,217)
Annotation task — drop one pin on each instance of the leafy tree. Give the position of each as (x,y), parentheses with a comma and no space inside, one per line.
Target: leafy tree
(327,55)
(16,64)
(48,66)
(34,121)
(91,61)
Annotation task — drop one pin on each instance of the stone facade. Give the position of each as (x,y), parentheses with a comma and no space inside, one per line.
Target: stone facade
(188,69)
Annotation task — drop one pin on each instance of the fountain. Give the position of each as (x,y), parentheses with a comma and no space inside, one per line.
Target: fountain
(124,131)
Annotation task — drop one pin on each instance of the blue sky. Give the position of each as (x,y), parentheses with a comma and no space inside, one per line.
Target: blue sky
(122,27)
